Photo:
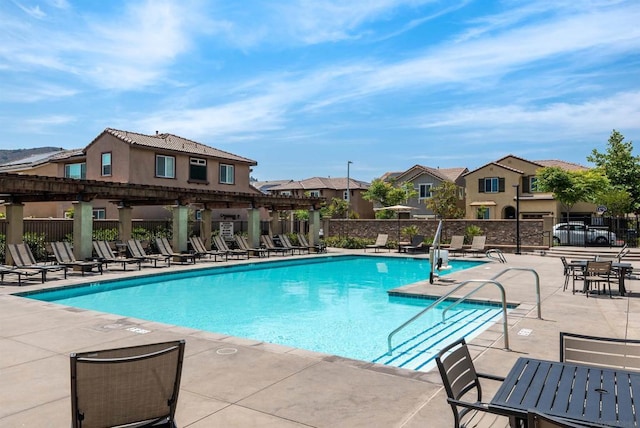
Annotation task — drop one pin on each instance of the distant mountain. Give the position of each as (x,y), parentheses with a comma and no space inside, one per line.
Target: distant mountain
(7,156)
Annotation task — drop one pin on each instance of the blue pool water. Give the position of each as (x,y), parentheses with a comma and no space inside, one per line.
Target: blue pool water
(335,305)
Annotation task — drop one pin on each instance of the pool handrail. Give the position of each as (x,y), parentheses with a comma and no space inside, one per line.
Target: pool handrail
(435,250)
(462,284)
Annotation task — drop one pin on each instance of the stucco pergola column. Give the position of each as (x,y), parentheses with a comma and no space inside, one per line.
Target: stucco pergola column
(180,228)
(15,226)
(253,227)
(124,224)
(276,227)
(82,230)
(205,227)
(314,227)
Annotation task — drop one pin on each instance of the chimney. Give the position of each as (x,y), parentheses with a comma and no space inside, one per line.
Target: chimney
(157,132)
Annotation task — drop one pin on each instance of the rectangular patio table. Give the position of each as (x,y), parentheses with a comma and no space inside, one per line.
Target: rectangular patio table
(590,395)
(621,267)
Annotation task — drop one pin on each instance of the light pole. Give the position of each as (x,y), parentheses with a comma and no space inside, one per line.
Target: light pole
(517,186)
(348,193)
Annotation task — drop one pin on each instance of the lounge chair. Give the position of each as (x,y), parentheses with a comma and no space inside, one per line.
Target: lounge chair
(600,351)
(23,259)
(221,245)
(286,243)
(460,378)
(133,386)
(65,257)
(165,249)
(103,251)
(255,252)
(417,245)
(456,245)
(318,248)
(201,250)
(267,241)
(477,245)
(11,270)
(381,242)
(137,252)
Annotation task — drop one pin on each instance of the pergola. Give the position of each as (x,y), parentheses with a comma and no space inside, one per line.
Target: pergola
(17,189)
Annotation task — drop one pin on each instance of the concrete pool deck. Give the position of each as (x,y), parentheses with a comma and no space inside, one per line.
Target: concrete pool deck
(234,382)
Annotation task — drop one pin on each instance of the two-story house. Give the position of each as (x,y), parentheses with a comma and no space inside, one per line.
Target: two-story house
(327,188)
(424,179)
(494,189)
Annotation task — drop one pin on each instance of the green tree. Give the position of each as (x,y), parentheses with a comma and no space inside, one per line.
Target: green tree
(385,194)
(571,187)
(337,208)
(620,166)
(443,201)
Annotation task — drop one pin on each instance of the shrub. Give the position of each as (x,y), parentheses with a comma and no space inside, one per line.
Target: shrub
(471,231)
(36,243)
(348,242)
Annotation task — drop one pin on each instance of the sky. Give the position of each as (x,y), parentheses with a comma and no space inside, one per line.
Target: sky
(305,86)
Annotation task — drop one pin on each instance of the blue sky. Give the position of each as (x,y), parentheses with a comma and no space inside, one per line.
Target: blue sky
(303,86)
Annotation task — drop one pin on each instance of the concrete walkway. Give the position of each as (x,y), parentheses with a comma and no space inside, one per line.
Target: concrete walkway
(233,382)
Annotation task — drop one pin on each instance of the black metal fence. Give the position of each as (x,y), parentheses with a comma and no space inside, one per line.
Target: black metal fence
(585,231)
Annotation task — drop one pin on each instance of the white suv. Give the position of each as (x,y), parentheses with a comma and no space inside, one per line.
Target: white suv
(576,233)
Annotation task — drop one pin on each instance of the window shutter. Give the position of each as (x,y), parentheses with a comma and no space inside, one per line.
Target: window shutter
(501,184)
(525,185)
(480,185)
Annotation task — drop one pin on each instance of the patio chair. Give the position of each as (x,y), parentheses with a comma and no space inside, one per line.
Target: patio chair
(201,250)
(104,253)
(477,245)
(255,252)
(456,245)
(597,272)
(134,386)
(571,271)
(267,241)
(11,270)
(318,248)
(165,249)
(286,243)
(600,351)
(23,258)
(65,257)
(137,252)
(417,245)
(381,242)
(540,420)
(221,245)
(461,381)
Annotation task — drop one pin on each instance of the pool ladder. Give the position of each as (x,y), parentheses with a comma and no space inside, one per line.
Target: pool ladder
(482,282)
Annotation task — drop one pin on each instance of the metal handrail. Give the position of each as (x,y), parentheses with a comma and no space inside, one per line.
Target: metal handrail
(445,296)
(496,254)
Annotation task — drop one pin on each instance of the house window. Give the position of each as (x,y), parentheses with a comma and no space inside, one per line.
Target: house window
(75,170)
(490,185)
(197,169)
(285,193)
(424,190)
(165,166)
(314,193)
(461,193)
(106,164)
(483,213)
(533,184)
(198,215)
(345,195)
(226,174)
(99,213)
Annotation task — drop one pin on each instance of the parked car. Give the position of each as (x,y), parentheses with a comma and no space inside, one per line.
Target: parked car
(576,233)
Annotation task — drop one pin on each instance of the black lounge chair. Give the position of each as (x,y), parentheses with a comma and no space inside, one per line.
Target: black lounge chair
(65,257)
(286,243)
(134,387)
(268,243)
(318,248)
(222,246)
(23,258)
(201,250)
(105,255)
(255,252)
(11,270)
(137,252)
(165,249)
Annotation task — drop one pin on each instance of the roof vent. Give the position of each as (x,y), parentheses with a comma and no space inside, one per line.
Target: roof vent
(157,132)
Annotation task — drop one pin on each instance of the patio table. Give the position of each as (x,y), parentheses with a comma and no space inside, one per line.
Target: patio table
(590,395)
(621,267)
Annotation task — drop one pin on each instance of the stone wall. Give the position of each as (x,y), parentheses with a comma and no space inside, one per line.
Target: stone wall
(500,233)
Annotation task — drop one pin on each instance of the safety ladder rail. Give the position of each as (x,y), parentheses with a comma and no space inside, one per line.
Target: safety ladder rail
(459,286)
(496,254)
(461,299)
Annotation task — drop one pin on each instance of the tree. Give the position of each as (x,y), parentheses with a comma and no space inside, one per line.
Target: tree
(443,201)
(386,194)
(337,208)
(571,187)
(620,166)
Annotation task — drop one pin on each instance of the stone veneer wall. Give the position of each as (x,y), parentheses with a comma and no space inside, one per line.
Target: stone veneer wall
(498,232)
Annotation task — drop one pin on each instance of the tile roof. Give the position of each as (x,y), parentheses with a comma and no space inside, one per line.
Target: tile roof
(443,174)
(41,158)
(569,166)
(316,183)
(173,143)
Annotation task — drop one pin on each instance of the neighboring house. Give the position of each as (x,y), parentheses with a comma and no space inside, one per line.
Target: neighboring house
(424,179)
(160,159)
(491,190)
(328,188)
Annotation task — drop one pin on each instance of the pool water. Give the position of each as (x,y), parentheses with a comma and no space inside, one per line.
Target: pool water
(335,305)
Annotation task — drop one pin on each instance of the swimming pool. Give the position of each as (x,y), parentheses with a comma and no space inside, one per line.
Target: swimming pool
(337,305)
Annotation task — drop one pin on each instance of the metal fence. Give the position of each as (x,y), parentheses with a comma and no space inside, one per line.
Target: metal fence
(586,231)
